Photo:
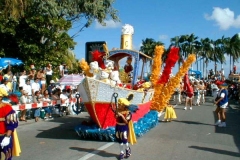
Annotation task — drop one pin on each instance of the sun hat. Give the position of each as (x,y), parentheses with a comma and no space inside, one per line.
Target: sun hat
(225,85)
(24,92)
(52,81)
(3,92)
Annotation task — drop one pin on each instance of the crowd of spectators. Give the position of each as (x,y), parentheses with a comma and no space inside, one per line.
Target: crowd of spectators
(36,86)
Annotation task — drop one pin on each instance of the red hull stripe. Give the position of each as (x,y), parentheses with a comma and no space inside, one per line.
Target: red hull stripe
(102,114)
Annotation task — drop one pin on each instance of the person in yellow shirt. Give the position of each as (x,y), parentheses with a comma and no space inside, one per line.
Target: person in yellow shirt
(8,77)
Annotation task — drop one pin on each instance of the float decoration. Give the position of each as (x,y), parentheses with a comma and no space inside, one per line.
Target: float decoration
(175,81)
(165,87)
(157,63)
(85,67)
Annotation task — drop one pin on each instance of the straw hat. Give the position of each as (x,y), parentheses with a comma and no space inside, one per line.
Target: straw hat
(3,92)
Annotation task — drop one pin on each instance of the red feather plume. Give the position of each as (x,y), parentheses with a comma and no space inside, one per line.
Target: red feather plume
(98,56)
(170,62)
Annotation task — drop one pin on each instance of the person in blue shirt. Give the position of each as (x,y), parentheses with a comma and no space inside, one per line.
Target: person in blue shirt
(222,102)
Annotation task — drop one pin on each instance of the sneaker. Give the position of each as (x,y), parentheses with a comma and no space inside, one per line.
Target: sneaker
(121,156)
(223,124)
(46,119)
(190,108)
(50,117)
(128,152)
(218,123)
(185,108)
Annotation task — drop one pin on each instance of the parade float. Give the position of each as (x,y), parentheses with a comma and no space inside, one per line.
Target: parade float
(105,83)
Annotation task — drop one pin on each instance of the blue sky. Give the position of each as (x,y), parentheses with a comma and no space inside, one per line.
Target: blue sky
(163,20)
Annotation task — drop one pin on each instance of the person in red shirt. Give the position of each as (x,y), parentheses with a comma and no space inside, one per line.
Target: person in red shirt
(234,69)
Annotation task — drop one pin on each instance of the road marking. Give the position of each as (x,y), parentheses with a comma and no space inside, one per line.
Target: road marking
(89,155)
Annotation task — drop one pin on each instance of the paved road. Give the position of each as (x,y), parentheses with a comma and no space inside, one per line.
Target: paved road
(192,136)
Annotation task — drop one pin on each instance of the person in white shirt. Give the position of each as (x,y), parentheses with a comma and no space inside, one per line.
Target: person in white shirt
(35,86)
(28,88)
(48,109)
(64,101)
(22,79)
(215,90)
(49,73)
(24,100)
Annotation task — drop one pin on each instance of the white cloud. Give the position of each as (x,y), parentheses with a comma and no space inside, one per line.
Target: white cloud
(109,24)
(224,18)
(163,37)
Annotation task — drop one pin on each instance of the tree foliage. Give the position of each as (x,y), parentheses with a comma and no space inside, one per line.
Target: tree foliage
(37,31)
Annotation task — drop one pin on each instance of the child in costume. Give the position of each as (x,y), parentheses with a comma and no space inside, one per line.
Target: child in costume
(124,127)
(8,123)
(169,114)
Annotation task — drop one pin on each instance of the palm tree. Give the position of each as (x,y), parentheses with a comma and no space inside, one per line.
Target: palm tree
(235,47)
(205,53)
(220,50)
(175,42)
(214,54)
(148,47)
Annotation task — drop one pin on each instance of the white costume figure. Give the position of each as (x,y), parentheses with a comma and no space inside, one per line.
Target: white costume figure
(114,78)
(95,70)
(104,76)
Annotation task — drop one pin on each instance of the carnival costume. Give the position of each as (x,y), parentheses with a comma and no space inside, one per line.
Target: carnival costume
(170,113)
(124,126)
(8,123)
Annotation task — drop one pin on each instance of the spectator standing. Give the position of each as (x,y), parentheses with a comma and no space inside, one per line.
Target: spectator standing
(24,99)
(42,79)
(37,98)
(56,96)
(215,90)
(202,89)
(234,69)
(35,86)
(65,70)
(196,99)
(22,79)
(51,87)
(32,75)
(48,109)
(14,83)
(28,88)
(64,101)
(49,73)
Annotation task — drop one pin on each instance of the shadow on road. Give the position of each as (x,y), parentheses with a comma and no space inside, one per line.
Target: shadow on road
(192,122)
(98,152)
(219,151)
(233,124)
(65,130)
